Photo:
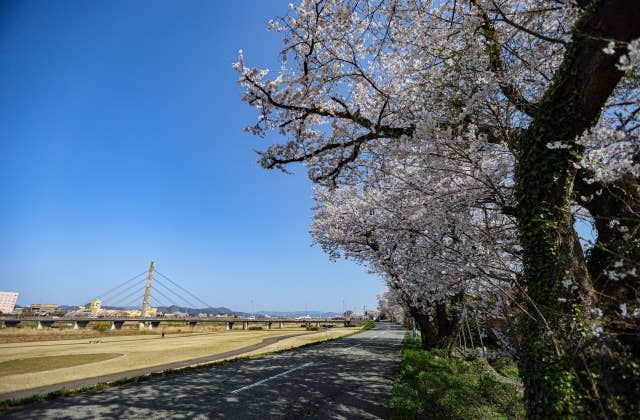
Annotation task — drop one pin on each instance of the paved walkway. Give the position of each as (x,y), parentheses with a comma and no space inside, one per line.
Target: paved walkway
(343,379)
(138,372)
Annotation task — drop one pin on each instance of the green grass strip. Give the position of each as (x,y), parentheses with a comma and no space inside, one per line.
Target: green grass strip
(433,385)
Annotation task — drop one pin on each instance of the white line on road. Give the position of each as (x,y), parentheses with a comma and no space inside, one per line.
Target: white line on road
(244,388)
(351,347)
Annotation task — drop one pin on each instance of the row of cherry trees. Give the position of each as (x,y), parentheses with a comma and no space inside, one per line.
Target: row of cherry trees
(424,219)
(454,144)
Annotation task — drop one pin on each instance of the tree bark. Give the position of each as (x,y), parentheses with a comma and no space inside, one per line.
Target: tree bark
(560,347)
(447,318)
(428,332)
(440,329)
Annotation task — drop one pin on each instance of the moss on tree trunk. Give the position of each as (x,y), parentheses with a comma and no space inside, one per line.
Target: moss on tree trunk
(560,344)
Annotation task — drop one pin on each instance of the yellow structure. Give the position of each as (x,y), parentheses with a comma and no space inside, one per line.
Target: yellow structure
(95,307)
(151,312)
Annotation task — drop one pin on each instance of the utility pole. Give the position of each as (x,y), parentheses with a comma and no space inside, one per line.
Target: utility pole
(147,291)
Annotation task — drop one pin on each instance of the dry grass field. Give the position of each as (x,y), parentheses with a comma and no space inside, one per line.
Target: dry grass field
(38,364)
(30,364)
(96,330)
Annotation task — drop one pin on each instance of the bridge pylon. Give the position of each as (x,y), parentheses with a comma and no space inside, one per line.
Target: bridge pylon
(147,291)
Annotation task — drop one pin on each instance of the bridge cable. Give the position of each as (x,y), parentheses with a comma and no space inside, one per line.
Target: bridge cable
(135,303)
(162,303)
(175,293)
(131,294)
(155,296)
(207,306)
(155,289)
(123,292)
(158,303)
(120,285)
(168,289)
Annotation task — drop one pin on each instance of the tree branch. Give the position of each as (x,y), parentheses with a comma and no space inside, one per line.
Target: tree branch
(497,67)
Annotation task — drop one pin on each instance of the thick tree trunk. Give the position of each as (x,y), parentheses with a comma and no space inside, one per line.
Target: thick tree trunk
(559,348)
(439,330)
(428,333)
(447,321)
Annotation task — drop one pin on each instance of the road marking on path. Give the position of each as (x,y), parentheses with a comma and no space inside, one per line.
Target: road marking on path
(244,388)
(351,347)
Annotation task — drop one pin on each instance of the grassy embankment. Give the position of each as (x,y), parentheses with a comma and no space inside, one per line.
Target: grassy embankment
(433,385)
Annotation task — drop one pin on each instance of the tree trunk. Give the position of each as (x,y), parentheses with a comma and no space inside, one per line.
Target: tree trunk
(440,329)
(428,333)
(447,319)
(560,345)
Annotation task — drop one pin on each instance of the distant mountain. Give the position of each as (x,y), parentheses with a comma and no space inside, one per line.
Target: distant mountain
(195,311)
(314,314)
(215,311)
(163,309)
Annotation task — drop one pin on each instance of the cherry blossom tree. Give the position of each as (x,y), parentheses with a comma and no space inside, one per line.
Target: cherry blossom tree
(437,239)
(555,83)
(391,307)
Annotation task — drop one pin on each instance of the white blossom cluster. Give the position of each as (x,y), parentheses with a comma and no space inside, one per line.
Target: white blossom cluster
(406,112)
(425,219)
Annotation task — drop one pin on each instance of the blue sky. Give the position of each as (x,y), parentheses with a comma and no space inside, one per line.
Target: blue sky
(121,142)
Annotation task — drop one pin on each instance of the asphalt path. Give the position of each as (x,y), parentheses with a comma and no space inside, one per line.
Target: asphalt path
(342,379)
(86,382)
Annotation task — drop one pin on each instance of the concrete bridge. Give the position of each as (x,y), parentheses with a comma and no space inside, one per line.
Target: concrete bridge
(152,323)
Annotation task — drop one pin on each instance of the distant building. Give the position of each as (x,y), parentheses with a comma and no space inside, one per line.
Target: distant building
(95,306)
(357,317)
(43,308)
(8,302)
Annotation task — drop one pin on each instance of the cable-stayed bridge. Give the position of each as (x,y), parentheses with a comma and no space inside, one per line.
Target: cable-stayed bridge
(157,288)
(151,287)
